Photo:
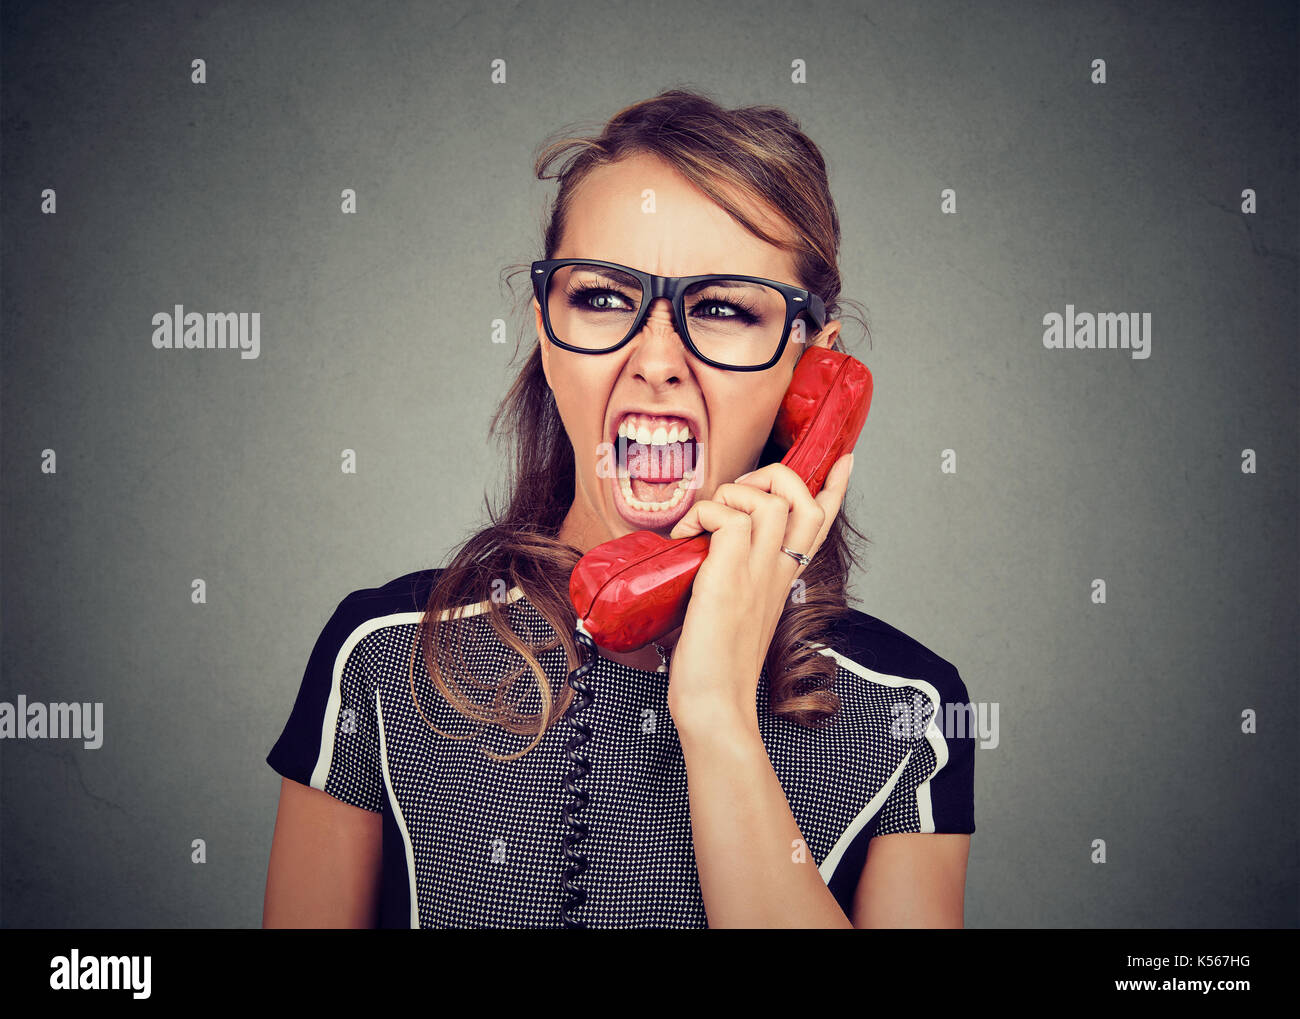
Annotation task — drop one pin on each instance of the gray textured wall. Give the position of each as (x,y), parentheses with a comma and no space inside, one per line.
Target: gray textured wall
(1118,721)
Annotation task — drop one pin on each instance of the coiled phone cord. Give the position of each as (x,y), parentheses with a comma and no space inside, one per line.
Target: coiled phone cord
(574,895)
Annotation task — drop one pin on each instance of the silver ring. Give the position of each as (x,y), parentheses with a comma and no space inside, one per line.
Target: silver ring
(803,559)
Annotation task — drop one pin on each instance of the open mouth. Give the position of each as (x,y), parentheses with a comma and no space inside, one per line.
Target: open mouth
(658,472)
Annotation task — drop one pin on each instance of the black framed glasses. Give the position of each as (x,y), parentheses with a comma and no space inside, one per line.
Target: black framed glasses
(741,323)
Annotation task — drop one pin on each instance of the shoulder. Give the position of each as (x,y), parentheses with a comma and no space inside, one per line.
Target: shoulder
(365,610)
(400,601)
(337,672)
(871,648)
(883,670)
(330,739)
(407,593)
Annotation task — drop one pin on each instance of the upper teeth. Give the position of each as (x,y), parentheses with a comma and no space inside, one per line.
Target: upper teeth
(658,437)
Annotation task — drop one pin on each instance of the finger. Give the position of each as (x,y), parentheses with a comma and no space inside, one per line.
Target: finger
(769,513)
(831,497)
(807,522)
(729,533)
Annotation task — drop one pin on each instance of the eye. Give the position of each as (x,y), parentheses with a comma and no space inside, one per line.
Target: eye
(586,298)
(737,310)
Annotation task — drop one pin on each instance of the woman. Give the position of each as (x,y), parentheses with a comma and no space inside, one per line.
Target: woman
(777,761)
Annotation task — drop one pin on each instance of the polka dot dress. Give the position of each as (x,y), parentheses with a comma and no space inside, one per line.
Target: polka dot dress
(469,842)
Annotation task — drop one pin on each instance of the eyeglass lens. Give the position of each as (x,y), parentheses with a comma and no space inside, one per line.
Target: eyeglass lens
(733,322)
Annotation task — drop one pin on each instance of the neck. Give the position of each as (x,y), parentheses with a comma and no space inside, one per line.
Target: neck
(645,658)
(581,528)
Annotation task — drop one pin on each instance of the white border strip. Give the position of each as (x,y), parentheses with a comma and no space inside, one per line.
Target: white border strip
(932,733)
(329,724)
(398,816)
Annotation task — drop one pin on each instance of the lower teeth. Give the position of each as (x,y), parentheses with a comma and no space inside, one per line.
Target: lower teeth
(679,492)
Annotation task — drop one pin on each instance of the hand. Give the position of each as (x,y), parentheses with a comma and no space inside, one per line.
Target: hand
(741,587)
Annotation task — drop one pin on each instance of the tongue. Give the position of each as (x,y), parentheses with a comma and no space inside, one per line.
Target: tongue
(657,466)
(653,492)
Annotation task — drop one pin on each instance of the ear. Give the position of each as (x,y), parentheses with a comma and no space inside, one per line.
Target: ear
(825,338)
(830,331)
(541,342)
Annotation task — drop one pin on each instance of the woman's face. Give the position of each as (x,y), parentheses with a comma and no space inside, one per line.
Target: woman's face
(654,375)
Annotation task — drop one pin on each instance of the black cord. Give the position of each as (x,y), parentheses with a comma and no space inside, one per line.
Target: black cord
(574,895)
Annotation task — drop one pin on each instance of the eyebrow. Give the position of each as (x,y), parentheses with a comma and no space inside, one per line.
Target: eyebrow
(732,284)
(613,275)
(628,280)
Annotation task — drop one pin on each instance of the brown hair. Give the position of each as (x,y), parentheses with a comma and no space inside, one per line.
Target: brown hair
(760,154)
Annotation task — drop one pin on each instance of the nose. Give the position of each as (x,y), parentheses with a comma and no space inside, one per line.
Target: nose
(658,350)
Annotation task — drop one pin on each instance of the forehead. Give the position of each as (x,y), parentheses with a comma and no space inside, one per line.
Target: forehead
(642,213)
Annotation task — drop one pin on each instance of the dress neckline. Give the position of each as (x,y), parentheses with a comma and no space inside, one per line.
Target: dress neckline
(517,597)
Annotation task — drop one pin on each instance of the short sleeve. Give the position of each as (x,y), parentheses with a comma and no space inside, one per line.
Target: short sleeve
(331,740)
(936,790)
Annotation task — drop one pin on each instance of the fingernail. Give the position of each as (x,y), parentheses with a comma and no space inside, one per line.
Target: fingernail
(743,477)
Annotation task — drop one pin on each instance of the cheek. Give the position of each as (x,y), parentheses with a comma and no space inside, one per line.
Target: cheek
(740,430)
(582,397)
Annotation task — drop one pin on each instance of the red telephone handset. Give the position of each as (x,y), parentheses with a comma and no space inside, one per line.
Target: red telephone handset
(634,589)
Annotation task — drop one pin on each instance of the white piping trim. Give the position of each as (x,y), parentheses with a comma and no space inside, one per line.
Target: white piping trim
(329,724)
(932,733)
(478,608)
(398,816)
